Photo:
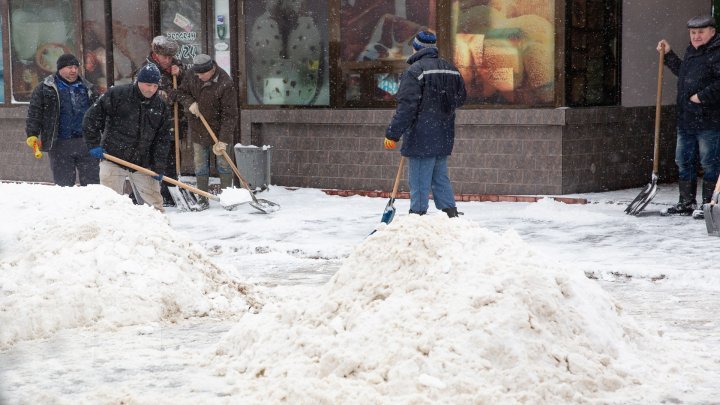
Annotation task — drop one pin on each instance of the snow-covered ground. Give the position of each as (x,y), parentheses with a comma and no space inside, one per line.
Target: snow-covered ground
(539,303)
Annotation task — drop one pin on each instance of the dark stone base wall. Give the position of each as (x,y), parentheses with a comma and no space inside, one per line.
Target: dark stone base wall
(521,151)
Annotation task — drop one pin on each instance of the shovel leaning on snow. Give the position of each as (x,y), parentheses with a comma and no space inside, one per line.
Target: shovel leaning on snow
(228,205)
(712,213)
(389,212)
(647,194)
(259,204)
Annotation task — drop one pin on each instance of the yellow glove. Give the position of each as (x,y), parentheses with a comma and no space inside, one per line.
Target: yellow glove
(194,109)
(219,148)
(35,144)
(390,144)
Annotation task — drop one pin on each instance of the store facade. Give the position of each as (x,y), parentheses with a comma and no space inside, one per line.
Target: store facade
(560,91)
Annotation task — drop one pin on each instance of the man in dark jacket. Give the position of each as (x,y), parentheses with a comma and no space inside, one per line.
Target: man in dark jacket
(698,113)
(162,54)
(210,92)
(131,122)
(430,91)
(54,123)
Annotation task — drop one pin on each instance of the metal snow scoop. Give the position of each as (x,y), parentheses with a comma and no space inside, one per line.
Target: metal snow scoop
(228,205)
(389,212)
(712,213)
(647,194)
(264,206)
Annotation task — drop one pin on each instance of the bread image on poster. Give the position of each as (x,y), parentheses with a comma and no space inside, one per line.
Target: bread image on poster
(516,61)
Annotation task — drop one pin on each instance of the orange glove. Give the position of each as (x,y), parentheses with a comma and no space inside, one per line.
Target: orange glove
(390,144)
(33,142)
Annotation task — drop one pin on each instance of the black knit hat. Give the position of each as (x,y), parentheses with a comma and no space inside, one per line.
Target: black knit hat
(701,21)
(424,39)
(202,63)
(67,59)
(148,74)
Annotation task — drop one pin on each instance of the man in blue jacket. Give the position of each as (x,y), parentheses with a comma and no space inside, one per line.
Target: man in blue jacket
(430,91)
(54,123)
(698,113)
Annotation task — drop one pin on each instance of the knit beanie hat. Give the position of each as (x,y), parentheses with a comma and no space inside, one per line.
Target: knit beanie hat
(202,63)
(148,74)
(424,39)
(67,59)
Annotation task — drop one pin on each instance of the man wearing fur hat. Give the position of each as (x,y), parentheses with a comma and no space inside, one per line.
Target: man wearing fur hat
(430,91)
(162,54)
(54,123)
(210,92)
(132,122)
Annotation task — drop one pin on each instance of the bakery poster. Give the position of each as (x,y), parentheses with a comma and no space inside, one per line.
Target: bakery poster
(287,52)
(505,50)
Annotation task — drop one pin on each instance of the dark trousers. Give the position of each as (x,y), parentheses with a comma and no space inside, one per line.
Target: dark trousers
(70,158)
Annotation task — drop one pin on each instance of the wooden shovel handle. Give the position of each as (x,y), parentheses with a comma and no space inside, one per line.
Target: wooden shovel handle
(165,178)
(658,109)
(177,130)
(397,177)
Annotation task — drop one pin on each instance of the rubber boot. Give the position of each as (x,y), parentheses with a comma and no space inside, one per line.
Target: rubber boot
(451,212)
(687,203)
(225,181)
(707,191)
(418,212)
(202,184)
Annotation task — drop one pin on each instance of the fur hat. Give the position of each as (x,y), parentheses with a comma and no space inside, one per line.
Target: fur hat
(67,59)
(148,74)
(202,63)
(424,39)
(701,21)
(162,45)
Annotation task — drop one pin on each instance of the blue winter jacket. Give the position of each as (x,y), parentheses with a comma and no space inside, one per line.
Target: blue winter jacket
(698,73)
(430,91)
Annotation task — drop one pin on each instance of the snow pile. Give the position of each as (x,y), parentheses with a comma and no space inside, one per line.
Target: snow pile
(84,256)
(433,310)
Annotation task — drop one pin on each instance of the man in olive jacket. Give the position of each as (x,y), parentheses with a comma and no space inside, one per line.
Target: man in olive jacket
(54,123)
(209,91)
(133,123)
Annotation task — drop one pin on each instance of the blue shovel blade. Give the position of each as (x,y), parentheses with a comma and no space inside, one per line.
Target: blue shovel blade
(388,214)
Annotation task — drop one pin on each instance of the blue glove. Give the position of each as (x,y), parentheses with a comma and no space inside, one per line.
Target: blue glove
(97,152)
(158,177)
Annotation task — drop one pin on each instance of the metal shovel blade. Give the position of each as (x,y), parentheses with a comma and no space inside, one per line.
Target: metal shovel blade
(643,199)
(712,219)
(389,212)
(265,206)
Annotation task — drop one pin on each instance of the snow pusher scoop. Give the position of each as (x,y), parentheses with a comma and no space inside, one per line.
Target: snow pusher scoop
(389,212)
(647,194)
(264,206)
(228,205)
(712,213)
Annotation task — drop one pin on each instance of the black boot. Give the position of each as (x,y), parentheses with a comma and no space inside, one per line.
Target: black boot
(418,212)
(707,191)
(687,203)
(451,212)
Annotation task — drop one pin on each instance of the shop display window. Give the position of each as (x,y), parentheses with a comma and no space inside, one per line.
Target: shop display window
(375,42)
(182,21)
(131,37)
(505,51)
(40,31)
(221,35)
(95,44)
(287,52)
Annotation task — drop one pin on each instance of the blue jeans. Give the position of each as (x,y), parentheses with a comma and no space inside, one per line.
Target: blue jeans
(690,142)
(425,174)
(201,159)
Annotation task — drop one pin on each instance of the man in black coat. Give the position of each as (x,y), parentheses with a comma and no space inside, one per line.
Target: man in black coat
(133,123)
(54,123)
(430,91)
(698,113)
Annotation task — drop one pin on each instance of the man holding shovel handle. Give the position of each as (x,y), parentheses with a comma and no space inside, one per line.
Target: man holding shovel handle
(698,113)
(209,92)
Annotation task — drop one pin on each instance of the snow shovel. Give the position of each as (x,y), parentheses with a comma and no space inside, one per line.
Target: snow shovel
(228,205)
(712,213)
(389,212)
(264,206)
(647,194)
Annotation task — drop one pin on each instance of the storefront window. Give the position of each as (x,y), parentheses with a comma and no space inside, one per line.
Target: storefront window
(41,31)
(376,38)
(131,37)
(182,21)
(505,51)
(2,67)
(94,43)
(286,52)
(221,38)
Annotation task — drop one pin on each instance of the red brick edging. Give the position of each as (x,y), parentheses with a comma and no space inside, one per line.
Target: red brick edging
(459,197)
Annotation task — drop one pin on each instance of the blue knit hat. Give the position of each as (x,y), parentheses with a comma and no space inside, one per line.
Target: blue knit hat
(148,74)
(424,39)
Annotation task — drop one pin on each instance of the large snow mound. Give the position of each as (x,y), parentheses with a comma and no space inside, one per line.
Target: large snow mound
(438,310)
(86,256)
